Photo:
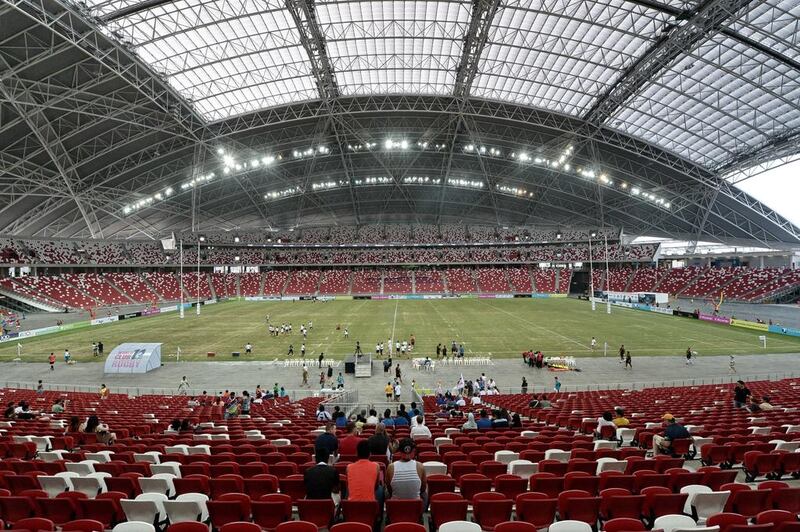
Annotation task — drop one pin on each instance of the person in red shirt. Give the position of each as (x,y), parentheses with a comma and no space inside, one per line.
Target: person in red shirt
(363,477)
(52,360)
(349,445)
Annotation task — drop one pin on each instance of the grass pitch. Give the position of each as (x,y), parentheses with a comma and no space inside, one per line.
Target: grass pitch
(503,328)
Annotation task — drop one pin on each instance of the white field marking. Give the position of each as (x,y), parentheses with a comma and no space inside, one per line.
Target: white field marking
(394,321)
(523,320)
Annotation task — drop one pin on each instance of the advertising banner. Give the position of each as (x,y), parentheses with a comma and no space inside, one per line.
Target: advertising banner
(133,358)
(715,319)
(151,311)
(129,315)
(169,308)
(789,331)
(750,325)
(107,319)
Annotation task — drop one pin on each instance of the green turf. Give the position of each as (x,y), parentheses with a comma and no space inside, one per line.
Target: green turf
(502,328)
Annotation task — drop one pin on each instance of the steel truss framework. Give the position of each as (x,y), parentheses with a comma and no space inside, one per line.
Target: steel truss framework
(87,128)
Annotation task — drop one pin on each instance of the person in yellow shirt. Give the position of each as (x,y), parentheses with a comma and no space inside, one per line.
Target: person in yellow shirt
(388,390)
(104,392)
(619,419)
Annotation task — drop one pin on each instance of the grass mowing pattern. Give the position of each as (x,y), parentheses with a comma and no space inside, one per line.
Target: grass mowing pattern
(500,327)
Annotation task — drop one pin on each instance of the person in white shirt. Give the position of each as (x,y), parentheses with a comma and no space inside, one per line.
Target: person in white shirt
(476,399)
(420,430)
(594,343)
(373,418)
(461,402)
(606,420)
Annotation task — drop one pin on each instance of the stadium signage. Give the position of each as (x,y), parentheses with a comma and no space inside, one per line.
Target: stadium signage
(107,319)
(8,337)
(134,358)
(713,318)
(749,325)
(151,311)
(789,331)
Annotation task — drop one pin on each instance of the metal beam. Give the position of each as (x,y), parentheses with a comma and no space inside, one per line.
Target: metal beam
(678,38)
(304,14)
(483,12)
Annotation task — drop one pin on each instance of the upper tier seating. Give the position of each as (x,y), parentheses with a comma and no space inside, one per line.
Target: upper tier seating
(13,252)
(95,286)
(335,282)
(303,282)
(460,280)
(396,281)
(545,280)
(147,253)
(492,280)
(165,284)
(133,286)
(104,253)
(52,252)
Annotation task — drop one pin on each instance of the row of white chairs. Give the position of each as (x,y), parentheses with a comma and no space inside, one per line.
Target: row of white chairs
(467,361)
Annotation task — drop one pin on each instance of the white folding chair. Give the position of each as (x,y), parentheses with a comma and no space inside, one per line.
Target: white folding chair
(181,511)
(692,490)
(506,457)
(150,457)
(462,526)
(605,444)
(177,449)
(81,468)
(281,442)
(439,441)
(522,468)
(159,483)
(568,525)
(199,449)
(671,522)
(145,511)
(611,464)
(134,526)
(435,468)
(705,505)
(173,468)
(91,486)
(199,498)
(54,485)
(51,456)
(557,454)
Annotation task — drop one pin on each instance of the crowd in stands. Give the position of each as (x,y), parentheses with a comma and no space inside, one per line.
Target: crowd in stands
(615,460)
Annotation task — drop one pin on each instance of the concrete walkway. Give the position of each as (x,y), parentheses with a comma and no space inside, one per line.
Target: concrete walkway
(596,373)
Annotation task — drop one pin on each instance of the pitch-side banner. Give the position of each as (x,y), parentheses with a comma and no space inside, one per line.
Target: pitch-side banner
(133,358)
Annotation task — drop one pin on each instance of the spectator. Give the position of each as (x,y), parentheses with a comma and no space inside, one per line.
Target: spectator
(379,442)
(387,420)
(606,420)
(328,440)
(405,478)
(740,394)
(673,431)
(516,421)
(372,419)
(620,420)
(500,419)
(363,477)
(232,406)
(321,480)
(58,407)
(246,402)
(74,425)
(339,418)
(349,444)
(420,430)
(470,424)
(104,391)
(322,414)
(484,422)
(93,425)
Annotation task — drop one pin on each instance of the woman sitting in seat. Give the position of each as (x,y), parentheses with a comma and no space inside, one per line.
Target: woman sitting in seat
(93,425)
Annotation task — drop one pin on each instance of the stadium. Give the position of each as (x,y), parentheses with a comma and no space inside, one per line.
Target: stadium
(566,232)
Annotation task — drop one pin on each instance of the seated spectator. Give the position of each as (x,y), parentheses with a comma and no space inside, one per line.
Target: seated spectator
(348,444)
(470,423)
(500,419)
(484,422)
(23,411)
(322,415)
(372,419)
(620,420)
(363,477)
(405,478)
(387,420)
(58,407)
(174,426)
(476,399)
(673,431)
(74,425)
(420,430)
(541,402)
(186,426)
(321,480)
(328,440)
(93,425)
(379,442)
(606,420)
(8,413)
(339,418)
(516,421)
